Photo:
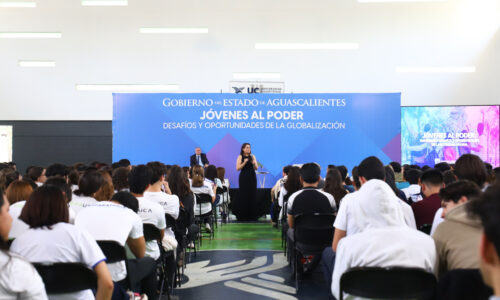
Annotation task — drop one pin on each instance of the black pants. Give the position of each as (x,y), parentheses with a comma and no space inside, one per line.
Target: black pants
(142,272)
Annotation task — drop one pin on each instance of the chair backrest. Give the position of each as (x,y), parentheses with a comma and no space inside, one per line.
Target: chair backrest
(151,232)
(426,228)
(314,229)
(171,223)
(203,198)
(463,284)
(113,251)
(388,283)
(62,278)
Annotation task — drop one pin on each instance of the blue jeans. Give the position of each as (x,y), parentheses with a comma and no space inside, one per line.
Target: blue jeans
(328,263)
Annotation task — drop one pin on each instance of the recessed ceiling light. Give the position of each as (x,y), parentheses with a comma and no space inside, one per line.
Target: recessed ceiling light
(168,30)
(37,63)
(127,87)
(468,69)
(306,46)
(104,2)
(256,75)
(30,35)
(18,4)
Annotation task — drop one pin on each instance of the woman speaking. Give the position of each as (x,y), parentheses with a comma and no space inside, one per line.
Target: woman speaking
(247,164)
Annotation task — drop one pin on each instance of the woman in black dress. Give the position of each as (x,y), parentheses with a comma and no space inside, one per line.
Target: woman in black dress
(247,164)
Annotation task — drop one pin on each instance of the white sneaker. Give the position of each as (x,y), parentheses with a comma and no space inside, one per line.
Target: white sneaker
(207,227)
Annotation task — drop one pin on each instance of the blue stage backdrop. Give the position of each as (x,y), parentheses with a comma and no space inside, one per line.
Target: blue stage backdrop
(339,129)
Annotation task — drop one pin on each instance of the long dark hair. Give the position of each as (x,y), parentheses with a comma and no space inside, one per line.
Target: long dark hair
(292,183)
(243,146)
(177,182)
(390,179)
(333,185)
(3,244)
(45,207)
(211,173)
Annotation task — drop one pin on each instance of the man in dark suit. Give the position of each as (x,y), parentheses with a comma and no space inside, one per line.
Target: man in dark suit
(198,158)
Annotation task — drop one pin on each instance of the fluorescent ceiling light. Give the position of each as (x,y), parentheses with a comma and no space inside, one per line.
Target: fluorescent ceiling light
(306,46)
(18,4)
(30,35)
(104,2)
(37,63)
(395,1)
(173,30)
(256,75)
(469,69)
(127,87)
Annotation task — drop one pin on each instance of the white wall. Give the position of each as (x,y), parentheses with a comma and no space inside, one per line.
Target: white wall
(103,45)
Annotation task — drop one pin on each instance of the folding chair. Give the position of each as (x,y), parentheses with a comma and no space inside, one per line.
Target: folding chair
(152,233)
(200,199)
(61,278)
(312,233)
(463,284)
(115,252)
(388,283)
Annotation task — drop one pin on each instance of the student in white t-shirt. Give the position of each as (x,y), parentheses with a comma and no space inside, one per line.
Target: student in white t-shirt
(371,173)
(154,193)
(52,239)
(89,184)
(18,278)
(200,186)
(151,213)
(17,193)
(111,221)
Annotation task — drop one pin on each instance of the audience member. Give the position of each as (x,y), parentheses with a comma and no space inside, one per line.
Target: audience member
(7,176)
(17,193)
(458,235)
(413,192)
(488,210)
(200,186)
(343,175)
(334,186)
(290,186)
(449,177)
(51,239)
(18,278)
(37,174)
(73,178)
(355,179)
(57,170)
(497,175)
(384,239)
(169,203)
(371,174)
(150,212)
(89,184)
(120,179)
(308,200)
(279,183)
(396,168)
(111,221)
(389,179)
(431,183)
(106,191)
(471,167)
(442,167)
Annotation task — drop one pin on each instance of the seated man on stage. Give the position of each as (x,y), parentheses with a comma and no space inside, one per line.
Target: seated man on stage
(198,159)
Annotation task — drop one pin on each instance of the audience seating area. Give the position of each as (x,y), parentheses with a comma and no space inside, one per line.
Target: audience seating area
(372,239)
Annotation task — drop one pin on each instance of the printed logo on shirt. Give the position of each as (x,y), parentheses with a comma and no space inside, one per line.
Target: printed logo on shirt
(145,210)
